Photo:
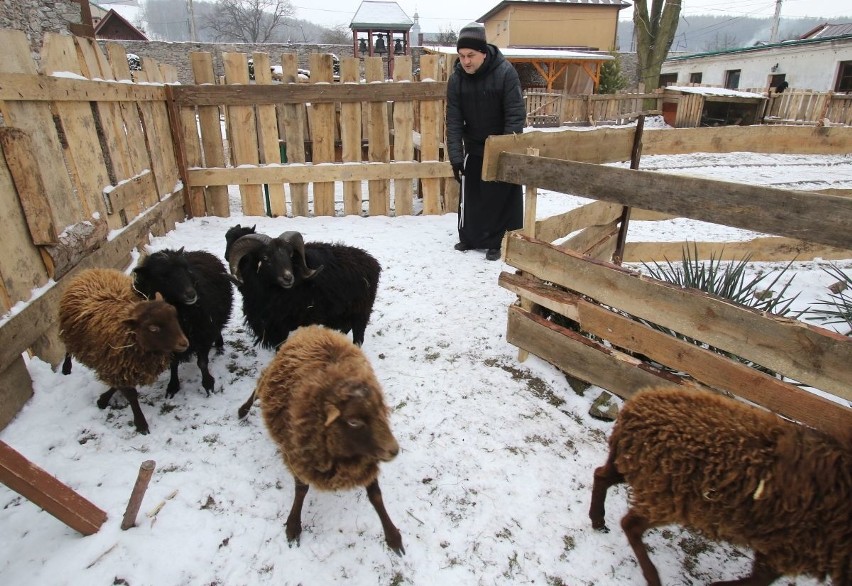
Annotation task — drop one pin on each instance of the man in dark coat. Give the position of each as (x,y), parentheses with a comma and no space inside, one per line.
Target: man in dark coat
(483,98)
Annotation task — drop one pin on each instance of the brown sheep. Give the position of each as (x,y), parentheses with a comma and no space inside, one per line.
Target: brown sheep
(734,473)
(127,340)
(324,408)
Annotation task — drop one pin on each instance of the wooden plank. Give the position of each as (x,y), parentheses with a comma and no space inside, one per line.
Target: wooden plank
(18,332)
(378,150)
(108,113)
(712,369)
(773,342)
(350,135)
(322,133)
(196,205)
(212,143)
(403,139)
(267,124)
(583,358)
(431,113)
(125,198)
(293,121)
(23,167)
(26,86)
(591,238)
(47,492)
(83,152)
(326,172)
(595,213)
(771,248)
(168,176)
(242,123)
(609,145)
(36,119)
(290,92)
(808,216)
(16,388)
(130,114)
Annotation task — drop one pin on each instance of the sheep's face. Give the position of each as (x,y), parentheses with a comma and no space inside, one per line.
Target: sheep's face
(156,327)
(167,272)
(274,263)
(357,426)
(234,233)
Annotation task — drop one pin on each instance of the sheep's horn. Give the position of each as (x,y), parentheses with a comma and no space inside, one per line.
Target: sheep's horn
(296,241)
(242,246)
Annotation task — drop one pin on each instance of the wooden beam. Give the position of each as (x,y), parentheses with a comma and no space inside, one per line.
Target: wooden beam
(26,87)
(23,166)
(47,492)
(771,341)
(301,93)
(710,368)
(796,214)
(305,173)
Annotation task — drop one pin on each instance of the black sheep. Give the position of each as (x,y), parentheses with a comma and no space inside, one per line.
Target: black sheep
(281,292)
(198,285)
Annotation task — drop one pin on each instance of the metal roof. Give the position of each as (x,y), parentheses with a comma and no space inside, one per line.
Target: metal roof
(762,47)
(610,3)
(829,30)
(375,14)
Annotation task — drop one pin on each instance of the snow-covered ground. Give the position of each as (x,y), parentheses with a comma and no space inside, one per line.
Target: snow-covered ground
(493,482)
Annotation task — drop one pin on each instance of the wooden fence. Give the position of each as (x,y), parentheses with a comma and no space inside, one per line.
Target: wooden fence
(803,107)
(605,343)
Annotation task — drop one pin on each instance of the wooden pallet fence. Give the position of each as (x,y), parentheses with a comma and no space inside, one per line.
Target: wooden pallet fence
(603,108)
(604,301)
(85,155)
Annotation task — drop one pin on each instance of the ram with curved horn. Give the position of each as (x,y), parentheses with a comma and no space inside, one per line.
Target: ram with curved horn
(286,283)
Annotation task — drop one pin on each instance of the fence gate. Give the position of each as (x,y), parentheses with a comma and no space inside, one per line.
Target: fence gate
(543,108)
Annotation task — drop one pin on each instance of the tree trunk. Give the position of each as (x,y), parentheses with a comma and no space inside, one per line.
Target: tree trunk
(654,35)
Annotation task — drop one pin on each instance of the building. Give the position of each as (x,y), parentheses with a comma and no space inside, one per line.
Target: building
(821,60)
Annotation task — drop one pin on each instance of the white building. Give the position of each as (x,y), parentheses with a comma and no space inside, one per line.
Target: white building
(821,61)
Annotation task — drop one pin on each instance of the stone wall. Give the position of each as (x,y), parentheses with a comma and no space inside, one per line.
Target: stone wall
(177,54)
(36,17)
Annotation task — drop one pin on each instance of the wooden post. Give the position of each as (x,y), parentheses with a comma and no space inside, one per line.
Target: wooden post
(47,492)
(142,480)
(530,201)
(635,155)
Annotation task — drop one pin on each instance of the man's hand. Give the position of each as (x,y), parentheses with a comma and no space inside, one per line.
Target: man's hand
(458,171)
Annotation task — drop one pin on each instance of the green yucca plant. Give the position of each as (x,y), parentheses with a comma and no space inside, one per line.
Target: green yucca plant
(728,280)
(837,309)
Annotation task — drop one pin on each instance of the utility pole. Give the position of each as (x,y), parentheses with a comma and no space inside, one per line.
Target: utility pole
(776,20)
(192,35)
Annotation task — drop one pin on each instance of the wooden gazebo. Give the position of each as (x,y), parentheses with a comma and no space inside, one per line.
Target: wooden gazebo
(381,28)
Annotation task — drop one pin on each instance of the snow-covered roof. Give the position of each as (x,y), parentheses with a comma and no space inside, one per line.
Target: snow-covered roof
(712,91)
(376,14)
(538,54)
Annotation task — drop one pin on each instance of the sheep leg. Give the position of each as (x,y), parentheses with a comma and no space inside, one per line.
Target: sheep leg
(358,330)
(174,380)
(138,417)
(392,535)
(220,344)
(294,519)
(103,400)
(634,525)
(244,408)
(761,574)
(207,380)
(66,364)
(605,476)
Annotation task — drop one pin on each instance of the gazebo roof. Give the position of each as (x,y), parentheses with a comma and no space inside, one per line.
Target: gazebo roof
(377,14)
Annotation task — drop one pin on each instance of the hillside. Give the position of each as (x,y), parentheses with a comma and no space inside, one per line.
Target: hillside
(700,34)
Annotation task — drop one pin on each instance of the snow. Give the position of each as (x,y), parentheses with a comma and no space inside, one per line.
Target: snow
(713,91)
(493,482)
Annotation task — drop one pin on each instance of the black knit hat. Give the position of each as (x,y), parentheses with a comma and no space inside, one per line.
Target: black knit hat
(472,36)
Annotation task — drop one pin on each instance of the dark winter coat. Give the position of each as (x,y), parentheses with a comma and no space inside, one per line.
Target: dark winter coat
(487,102)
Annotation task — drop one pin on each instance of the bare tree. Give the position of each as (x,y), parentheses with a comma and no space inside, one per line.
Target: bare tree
(339,34)
(248,21)
(654,35)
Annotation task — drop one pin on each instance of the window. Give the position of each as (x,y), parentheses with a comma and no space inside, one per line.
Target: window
(732,79)
(695,77)
(668,79)
(844,77)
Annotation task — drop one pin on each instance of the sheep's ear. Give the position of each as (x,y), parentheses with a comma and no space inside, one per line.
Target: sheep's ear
(158,296)
(331,413)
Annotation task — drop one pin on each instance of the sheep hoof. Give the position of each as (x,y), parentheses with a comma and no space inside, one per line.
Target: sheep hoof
(399,549)
(170,392)
(601,529)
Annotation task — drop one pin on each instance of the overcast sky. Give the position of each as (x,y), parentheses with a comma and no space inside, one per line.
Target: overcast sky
(438,15)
